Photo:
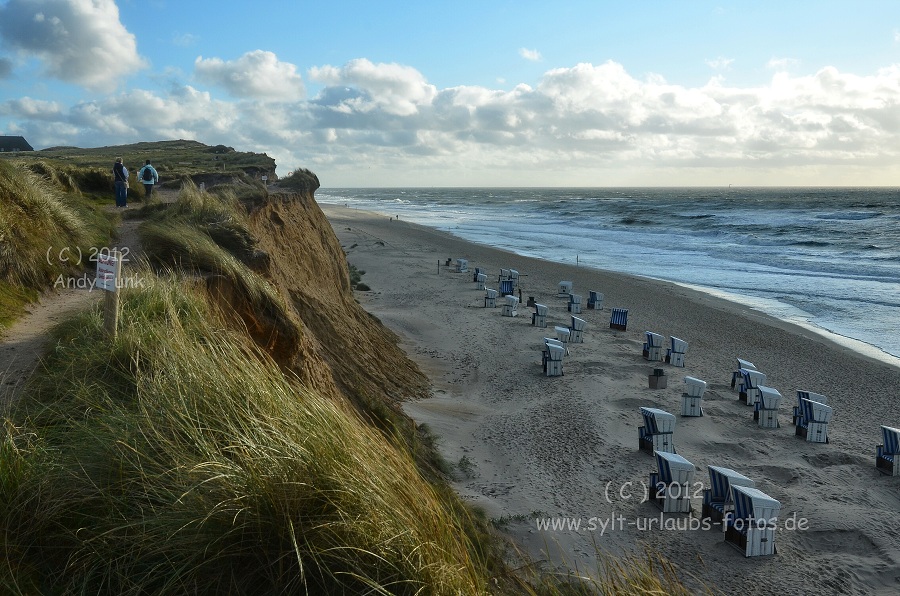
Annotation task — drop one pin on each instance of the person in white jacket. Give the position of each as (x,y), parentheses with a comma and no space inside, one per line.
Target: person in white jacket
(148,177)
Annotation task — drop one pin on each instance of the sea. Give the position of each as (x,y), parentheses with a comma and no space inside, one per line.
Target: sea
(824,258)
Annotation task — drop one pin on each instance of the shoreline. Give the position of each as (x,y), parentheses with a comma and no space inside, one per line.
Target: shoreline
(526,447)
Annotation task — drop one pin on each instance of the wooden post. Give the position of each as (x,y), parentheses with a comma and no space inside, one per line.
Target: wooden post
(110,275)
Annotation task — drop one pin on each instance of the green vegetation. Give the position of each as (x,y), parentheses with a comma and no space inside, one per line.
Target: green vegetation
(180,458)
(356,279)
(47,229)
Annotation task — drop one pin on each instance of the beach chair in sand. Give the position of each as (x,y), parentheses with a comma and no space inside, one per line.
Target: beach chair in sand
(480,280)
(539,316)
(576,330)
(575,304)
(507,287)
(814,419)
(801,395)
(511,306)
(676,351)
(552,357)
(658,430)
(692,398)
(564,289)
(717,499)
(619,319)
(563,335)
(514,277)
(504,274)
(653,347)
(749,389)
(887,455)
(490,298)
(765,411)
(462,266)
(595,300)
(751,527)
(670,485)
(737,375)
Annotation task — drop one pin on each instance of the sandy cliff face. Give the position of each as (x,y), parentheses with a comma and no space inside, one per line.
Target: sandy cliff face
(341,348)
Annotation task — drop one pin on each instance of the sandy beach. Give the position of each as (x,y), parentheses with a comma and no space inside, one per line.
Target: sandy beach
(527,447)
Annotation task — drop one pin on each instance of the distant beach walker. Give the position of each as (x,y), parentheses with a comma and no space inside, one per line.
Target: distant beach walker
(825,257)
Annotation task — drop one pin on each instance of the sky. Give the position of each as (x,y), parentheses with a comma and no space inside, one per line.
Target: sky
(474,93)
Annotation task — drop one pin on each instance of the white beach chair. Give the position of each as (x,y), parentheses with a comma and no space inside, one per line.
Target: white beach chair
(692,398)
(552,359)
(738,375)
(766,409)
(511,307)
(490,298)
(564,289)
(618,319)
(751,527)
(670,485)
(514,277)
(717,499)
(653,347)
(814,419)
(675,354)
(480,280)
(563,335)
(749,392)
(462,265)
(576,330)
(887,455)
(575,304)
(656,434)
(595,300)
(539,316)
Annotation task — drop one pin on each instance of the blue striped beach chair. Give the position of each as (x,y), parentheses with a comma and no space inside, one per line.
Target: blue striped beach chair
(670,485)
(751,527)
(692,398)
(478,271)
(765,411)
(657,432)
(675,354)
(801,395)
(749,392)
(619,319)
(717,499)
(813,422)
(563,335)
(507,287)
(653,347)
(887,457)
(595,300)
(738,375)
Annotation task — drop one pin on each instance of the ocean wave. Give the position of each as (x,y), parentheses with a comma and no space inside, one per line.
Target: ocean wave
(850,215)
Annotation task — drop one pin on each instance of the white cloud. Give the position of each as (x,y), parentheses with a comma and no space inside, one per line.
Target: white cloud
(578,121)
(396,89)
(782,63)
(720,63)
(185,40)
(78,41)
(532,55)
(257,74)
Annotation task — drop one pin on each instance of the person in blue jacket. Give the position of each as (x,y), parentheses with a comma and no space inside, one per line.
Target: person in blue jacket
(120,176)
(148,176)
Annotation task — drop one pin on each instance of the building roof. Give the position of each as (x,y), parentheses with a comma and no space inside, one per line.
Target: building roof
(9,143)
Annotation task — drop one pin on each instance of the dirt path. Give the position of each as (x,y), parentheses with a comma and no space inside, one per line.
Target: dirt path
(23,344)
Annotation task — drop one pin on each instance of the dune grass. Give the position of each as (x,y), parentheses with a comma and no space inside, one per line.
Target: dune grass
(179,458)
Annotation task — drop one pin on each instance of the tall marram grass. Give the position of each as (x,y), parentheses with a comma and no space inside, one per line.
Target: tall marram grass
(179,459)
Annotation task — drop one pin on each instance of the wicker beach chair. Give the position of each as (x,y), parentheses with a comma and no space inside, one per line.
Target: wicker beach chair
(657,432)
(619,319)
(511,306)
(653,347)
(595,300)
(751,527)
(575,304)
(765,411)
(670,485)
(676,351)
(576,330)
(717,499)
(490,298)
(692,398)
(539,316)
(813,422)
(741,366)
(462,266)
(749,392)
(887,455)
(801,395)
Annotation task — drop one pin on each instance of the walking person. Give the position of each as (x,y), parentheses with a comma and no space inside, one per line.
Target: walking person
(148,176)
(120,175)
